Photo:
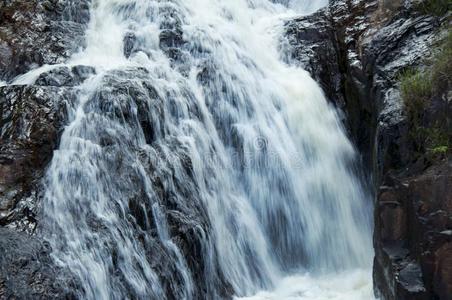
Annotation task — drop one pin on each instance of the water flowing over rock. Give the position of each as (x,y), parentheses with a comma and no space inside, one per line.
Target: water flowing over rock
(357,50)
(171,158)
(174,149)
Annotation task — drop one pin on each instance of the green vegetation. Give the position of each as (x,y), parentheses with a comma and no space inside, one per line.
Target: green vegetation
(442,65)
(436,141)
(419,89)
(416,88)
(434,7)
(439,150)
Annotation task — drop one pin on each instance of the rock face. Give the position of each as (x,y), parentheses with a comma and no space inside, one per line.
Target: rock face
(27,270)
(413,236)
(31,120)
(356,50)
(33,33)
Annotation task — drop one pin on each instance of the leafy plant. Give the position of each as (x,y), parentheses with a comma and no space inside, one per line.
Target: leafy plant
(440,150)
(436,138)
(442,65)
(416,88)
(419,88)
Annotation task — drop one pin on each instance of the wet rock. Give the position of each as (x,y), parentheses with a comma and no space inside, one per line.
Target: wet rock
(27,270)
(415,214)
(356,51)
(31,120)
(318,54)
(33,33)
(81,73)
(410,283)
(171,39)
(129,44)
(65,76)
(161,197)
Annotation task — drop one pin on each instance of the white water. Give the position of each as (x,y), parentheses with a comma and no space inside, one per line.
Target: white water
(271,164)
(350,285)
(304,7)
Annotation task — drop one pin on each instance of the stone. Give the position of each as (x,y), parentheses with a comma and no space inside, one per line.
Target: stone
(356,51)
(65,76)
(34,33)
(27,270)
(31,121)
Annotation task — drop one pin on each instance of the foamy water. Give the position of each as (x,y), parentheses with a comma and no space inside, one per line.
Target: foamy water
(351,285)
(270,162)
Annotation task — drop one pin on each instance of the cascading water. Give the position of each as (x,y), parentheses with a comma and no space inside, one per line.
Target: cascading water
(197,165)
(304,7)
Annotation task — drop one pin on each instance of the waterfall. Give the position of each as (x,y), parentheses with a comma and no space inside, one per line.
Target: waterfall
(196,164)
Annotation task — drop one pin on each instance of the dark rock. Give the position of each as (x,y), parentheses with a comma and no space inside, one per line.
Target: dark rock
(58,77)
(416,215)
(129,44)
(442,282)
(172,36)
(27,270)
(410,278)
(65,76)
(31,120)
(356,51)
(81,73)
(33,33)
(318,54)
(171,39)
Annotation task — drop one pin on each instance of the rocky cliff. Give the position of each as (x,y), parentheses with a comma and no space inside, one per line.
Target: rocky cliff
(357,50)
(373,60)
(32,118)
(32,33)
